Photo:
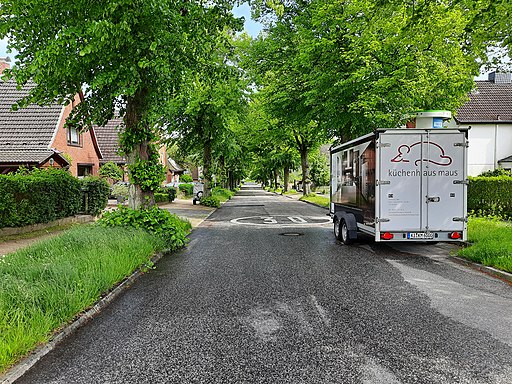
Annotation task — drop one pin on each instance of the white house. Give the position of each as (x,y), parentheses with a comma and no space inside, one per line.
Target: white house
(489,114)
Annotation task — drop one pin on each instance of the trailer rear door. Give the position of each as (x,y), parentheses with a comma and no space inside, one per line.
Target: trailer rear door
(421,182)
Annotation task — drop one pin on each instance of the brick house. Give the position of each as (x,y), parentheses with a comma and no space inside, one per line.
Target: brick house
(35,136)
(489,114)
(108,141)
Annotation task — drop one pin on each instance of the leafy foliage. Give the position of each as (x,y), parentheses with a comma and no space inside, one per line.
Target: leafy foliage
(222,193)
(169,227)
(319,169)
(40,196)
(96,191)
(490,196)
(210,201)
(187,189)
(132,56)
(111,171)
(186,178)
(496,172)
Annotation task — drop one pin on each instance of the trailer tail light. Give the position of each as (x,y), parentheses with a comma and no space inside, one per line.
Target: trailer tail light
(455,235)
(386,236)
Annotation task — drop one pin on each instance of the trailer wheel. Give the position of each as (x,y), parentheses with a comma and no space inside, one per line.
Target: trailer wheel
(343,231)
(337,232)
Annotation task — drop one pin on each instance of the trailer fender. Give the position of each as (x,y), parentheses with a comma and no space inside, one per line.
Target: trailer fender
(351,222)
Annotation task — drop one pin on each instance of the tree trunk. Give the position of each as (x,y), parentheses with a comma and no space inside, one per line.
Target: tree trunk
(140,150)
(306,188)
(286,178)
(275,178)
(207,164)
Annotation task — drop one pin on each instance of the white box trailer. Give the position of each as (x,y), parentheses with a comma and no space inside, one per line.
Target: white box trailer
(401,185)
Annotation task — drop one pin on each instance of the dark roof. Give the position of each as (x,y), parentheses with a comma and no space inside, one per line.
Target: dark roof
(18,156)
(506,160)
(108,141)
(489,103)
(30,128)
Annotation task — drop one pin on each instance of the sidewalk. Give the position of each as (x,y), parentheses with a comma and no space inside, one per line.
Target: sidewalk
(185,209)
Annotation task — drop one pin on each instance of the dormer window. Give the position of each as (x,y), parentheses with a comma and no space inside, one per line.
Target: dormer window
(73,136)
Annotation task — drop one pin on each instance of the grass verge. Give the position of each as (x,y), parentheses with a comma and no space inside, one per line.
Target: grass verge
(46,285)
(222,194)
(316,199)
(491,243)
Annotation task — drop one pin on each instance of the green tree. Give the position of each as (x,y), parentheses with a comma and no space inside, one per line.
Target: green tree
(206,114)
(359,65)
(112,171)
(128,57)
(319,169)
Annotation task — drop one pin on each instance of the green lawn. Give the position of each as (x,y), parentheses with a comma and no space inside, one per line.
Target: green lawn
(317,199)
(46,285)
(491,243)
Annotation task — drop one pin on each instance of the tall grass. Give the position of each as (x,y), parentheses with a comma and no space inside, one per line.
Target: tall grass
(44,286)
(491,243)
(222,194)
(316,199)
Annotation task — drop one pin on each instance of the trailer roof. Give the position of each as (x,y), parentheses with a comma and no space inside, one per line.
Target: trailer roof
(375,133)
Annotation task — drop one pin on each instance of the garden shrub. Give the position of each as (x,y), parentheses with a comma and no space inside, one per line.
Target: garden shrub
(210,201)
(161,197)
(187,188)
(120,191)
(97,191)
(186,178)
(490,196)
(39,196)
(169,227)
(222,193)
(171,193)
(112,171)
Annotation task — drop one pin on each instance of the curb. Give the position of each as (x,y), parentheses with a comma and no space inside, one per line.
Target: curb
(502,275)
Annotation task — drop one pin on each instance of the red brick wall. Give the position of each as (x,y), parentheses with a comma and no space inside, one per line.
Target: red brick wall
(83,154)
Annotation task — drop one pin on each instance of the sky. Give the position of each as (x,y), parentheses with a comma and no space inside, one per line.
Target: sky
(251,27)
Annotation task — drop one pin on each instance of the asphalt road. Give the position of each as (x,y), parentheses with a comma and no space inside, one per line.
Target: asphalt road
(264,294)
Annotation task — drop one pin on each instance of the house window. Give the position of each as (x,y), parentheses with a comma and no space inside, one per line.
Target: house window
(84,170)
(73,136)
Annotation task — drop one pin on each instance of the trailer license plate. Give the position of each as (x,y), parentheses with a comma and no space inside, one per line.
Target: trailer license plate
(420,235)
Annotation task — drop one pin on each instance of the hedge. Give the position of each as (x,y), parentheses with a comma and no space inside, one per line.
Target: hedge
(45,195)
(187,188)
(96,192)
(490,196)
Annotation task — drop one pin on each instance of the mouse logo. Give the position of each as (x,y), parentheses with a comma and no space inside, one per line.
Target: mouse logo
(408,153)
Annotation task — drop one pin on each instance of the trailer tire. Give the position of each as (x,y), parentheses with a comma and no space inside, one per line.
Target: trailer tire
(341,231)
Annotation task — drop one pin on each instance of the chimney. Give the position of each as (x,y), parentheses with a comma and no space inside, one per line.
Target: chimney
(500,77)
(5,63)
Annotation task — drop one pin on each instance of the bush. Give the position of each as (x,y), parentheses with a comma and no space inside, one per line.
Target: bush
(222,193)
(187,188)
(169,227)
(490,196)
(96,191)
(40,196)
(120,191)
(171,193)
(496,172)
(210,201)
(161,197)
(112,171)
(186,178)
